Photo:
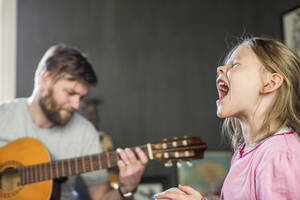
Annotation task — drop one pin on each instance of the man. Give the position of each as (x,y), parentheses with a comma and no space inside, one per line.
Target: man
(62,79)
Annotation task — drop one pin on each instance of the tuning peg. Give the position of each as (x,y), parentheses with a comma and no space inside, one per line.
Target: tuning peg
(189,163)
(174,144)
(168,164)
(179,164)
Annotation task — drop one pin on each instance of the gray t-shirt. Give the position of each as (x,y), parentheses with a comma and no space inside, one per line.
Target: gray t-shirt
(77,138)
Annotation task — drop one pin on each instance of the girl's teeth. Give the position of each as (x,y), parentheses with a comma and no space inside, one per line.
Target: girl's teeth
(224,89)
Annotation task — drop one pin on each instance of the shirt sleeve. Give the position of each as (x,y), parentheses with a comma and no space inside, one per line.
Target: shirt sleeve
(278,176)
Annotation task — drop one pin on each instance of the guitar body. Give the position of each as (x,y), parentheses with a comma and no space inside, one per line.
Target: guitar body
(23,152)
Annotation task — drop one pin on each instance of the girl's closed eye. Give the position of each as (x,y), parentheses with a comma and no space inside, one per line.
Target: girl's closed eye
(234,64)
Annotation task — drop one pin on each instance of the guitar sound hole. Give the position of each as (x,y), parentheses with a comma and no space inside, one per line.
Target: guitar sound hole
(9,179)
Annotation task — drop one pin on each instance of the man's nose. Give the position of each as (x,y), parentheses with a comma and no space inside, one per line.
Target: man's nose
(75,103)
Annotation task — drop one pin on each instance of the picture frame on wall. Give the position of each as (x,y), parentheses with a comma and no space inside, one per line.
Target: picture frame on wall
(291,28)
(206,175)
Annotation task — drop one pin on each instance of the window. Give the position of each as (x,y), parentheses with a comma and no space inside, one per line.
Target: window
(8,17)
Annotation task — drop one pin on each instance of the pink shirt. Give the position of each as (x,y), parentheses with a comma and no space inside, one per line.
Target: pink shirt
(271,171)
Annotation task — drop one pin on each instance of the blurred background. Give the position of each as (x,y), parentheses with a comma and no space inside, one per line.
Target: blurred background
(156,60)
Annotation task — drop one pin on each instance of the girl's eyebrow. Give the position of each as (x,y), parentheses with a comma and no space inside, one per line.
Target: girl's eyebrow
(236,57)
(228,61)
(232,58)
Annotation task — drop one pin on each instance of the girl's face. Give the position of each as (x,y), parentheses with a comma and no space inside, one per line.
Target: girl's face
(239,84)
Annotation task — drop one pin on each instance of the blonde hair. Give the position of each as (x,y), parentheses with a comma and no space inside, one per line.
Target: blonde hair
(276,58)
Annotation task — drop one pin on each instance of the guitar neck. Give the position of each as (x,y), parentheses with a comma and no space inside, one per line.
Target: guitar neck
(68,167)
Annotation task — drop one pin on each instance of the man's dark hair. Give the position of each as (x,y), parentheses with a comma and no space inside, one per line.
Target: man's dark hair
(61,60)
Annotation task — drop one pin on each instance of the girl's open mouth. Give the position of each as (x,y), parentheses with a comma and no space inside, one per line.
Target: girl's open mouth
(222,89)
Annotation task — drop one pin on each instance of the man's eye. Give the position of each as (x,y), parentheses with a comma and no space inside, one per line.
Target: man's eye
(82,97)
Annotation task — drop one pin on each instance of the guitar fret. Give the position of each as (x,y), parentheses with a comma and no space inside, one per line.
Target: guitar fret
(56,166)
(63,169)
(73,170)
(106,159)
(87,164)
(47,166)
(30,174)
(69,167)
(43,172)
(83,164)
(65,166)
(116,157)
(76,166)
(37,173)
(91,163)
(33,173)
(80,165)
(44,168)
(50,171)
(59,168)
(99,161)
(95,162)
(53,170)
(23,176)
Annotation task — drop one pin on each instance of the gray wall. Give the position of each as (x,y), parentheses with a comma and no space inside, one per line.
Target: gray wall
(156,60)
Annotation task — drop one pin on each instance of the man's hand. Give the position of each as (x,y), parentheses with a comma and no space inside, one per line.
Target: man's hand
(131,168)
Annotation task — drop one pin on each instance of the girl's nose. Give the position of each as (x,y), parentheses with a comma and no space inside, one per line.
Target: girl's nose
(221,70)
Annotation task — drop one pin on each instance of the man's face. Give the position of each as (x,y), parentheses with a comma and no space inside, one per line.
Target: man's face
(60,100)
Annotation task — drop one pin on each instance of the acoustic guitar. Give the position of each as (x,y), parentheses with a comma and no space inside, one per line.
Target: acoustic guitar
(27,173)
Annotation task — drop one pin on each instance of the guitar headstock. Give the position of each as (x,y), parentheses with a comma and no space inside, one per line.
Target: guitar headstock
(178,149)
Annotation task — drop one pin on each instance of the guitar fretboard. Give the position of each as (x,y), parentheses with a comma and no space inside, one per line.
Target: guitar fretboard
(68,167)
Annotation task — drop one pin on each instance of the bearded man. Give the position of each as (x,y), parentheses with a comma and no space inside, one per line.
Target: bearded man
(62,79)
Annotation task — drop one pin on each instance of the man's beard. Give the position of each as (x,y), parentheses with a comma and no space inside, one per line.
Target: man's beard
(52,110)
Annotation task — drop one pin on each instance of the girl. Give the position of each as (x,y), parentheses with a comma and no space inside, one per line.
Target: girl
(259,95)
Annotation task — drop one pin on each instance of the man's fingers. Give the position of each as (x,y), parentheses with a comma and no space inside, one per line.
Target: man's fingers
(131,156)
(122,166)
(142,156)
(123,156)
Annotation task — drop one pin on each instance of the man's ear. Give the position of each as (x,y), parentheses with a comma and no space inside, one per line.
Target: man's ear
(272,82)
(45,80)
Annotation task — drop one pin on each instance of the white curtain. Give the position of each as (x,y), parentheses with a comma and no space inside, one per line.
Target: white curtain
(8,19)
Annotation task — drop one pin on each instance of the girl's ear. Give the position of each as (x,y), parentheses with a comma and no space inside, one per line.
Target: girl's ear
(272,83)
